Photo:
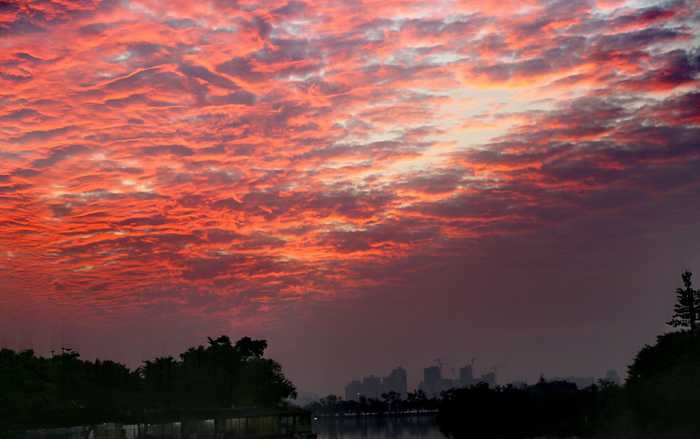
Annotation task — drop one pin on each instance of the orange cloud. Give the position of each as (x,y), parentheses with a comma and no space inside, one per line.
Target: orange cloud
(265,150)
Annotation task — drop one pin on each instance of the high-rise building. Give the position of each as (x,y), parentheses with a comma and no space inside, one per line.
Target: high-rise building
(432,380)
(353,390)
(466,376)
(396,381)
(372,387)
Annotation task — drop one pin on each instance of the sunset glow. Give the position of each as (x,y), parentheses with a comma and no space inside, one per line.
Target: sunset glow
(244,159)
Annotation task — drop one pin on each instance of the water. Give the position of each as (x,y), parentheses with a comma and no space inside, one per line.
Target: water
(372,427)
(369,427)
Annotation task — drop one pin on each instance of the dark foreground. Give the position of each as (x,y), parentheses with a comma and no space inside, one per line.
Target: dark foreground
(206,424)
(378,427)
(659,400)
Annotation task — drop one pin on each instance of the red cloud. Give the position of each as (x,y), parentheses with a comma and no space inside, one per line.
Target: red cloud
(262,151)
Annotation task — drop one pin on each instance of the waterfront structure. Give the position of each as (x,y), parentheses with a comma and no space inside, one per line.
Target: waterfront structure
(290,423)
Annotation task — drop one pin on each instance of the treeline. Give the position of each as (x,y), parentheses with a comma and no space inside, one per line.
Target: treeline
(553,409)
(556,407)
(660,398)
(390,403)
(63,389)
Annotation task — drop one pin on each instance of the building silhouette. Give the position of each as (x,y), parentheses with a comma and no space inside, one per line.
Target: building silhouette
(396,381)
(353,390)
(372,387)
(466,376)
(433,382)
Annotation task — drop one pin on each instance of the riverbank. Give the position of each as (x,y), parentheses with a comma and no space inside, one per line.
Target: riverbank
(378,427)
(290,423)
(429,413)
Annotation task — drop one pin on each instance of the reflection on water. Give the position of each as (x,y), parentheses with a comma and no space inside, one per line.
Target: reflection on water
(284,424)
(372,427)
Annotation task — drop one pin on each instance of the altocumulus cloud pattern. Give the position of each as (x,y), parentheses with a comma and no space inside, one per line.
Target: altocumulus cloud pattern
(242,158)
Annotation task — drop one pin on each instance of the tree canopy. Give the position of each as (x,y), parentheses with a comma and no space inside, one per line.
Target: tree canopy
(687,308)
(63,389)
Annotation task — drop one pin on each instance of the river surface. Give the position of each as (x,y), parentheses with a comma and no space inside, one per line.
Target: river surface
(368,427)
(371,427)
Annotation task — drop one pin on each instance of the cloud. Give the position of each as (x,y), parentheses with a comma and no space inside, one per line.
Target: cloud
(177,150)
(274,158)
(41,135)
(57,154)
(156,220)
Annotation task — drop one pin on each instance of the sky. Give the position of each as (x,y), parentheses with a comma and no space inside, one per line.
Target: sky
(364,183)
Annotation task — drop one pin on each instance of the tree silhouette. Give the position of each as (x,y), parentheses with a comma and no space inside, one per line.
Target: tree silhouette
(64,390)
(685,313)
(392,400)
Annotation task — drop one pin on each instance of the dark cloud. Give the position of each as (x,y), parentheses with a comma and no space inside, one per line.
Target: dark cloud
(435,183)
(222,236)
(208,268)
(206,75)
(137,98)
(39,135)
(242,67)
(156,220)
(177,150)
(677,68)
(93,29)
(14,188)
(57,154)
(292,8)
(227,203)
(24,113)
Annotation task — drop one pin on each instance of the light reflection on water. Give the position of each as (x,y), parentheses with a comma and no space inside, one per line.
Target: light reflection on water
(378,428)
(372,427)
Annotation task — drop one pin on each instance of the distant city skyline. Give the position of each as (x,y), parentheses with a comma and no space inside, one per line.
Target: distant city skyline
(372,386)
(433,381)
